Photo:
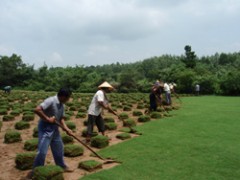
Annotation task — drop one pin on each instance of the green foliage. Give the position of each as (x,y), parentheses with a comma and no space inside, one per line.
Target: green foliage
(144,118)
(8,118)
(123,136)
(12,137)
(137,113)
(35,132)
(129,122)
(84,133)
(71,125)
(28,117)
(111,126)
(66,138)
(73,150)
(156,115)
(99,141)
(81,115)
(108,119)
(3,111)
(50,172)
(90,165)
(24,161)
(123,115)
(22,125)
(31,145)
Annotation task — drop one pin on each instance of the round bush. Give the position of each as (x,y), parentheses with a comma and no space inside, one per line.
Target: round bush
(156,115)
(35,132)
(111,126)
(137,113)
(25,161)
(90,165)
(50,172)
(99,141)
(71,125)
(3,111)
(123,115)
(8,118)
(81,115)
(12,137)
(73,150)
(108,119)
(22,125)
(127,108)
(31,145)
(129,122)
(143,118)
(28,117)
(84,133)
(66,138)
(123,136)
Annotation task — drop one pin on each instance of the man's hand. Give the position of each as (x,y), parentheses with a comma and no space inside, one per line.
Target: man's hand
(52,119)
(69,132)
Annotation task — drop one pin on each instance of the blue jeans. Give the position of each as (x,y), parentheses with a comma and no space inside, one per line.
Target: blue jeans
(52,138)
(168,98)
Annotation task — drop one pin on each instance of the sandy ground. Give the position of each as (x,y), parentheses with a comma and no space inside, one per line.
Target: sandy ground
(8,151)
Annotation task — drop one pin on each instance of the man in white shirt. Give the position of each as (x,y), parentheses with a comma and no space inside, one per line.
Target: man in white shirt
(167,91)
(197,89)
(99,102)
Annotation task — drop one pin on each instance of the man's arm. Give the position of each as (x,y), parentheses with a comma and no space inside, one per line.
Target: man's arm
(65,128)
(43,116)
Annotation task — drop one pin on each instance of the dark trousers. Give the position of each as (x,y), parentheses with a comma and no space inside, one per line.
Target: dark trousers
(92,120)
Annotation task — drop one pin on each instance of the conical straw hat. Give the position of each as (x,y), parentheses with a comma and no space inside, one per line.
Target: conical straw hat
(105,85)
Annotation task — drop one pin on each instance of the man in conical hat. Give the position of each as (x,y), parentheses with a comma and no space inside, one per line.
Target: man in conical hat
(99,102)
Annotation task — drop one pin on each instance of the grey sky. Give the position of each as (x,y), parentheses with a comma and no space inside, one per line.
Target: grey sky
(93,32)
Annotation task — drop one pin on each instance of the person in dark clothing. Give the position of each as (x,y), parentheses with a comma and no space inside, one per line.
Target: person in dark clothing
(155,97)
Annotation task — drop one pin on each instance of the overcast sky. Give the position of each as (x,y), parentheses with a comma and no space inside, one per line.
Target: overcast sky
(95,32)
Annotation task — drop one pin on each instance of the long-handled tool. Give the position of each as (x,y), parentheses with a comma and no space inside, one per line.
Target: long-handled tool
(107,160)
(177,96)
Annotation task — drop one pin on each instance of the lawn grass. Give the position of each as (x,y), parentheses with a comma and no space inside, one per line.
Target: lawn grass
(201,141)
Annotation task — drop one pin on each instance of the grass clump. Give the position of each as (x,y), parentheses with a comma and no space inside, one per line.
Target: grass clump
(99,141)
(12,137)
(71,125)
(84,133)
(111,126)
(123,136)
(66,138)
(137,113)
(31,145)
(8,118)
(108,119)
(49,172)
(90,165)
(123,115)
(35,132)
(144,118)
(28,117)
(156,115)
(129,122)
(73,150)
(22,125)
(24,161)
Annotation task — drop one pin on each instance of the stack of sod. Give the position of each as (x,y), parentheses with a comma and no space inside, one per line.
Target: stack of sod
(71,125)
(123,136)
(8,118)
(31,145)
(12,136)
(143,118)
(25,161)
(111,126)
(137,113)
(22,125)
(156,115)
(35,132)
(129,122)
(90,165)
(99,141)
(50,172)
(84,133)
(66,139)
(73,150)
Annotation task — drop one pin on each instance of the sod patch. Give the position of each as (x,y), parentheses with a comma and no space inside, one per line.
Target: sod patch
(144,118)
(66,138)
(84,133)
(31,145)
(49,172)
(108,119)
(35,132)
(99,141)
(90,165)
(111,126)
(73,150)
(8,118)
(25,161)
(129,122)
(28,117)
(22,125)
(12,137)
(123,136)
(137,113)
(71,125)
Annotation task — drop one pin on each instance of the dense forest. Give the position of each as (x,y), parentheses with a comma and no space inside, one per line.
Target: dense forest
(216,74)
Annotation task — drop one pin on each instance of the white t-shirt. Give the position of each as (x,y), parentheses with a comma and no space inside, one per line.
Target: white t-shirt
(166,88)
(95,108)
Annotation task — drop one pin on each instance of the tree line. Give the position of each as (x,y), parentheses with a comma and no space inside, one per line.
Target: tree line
(216,74)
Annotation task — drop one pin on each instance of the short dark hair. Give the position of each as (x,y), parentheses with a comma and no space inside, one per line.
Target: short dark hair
(64,92)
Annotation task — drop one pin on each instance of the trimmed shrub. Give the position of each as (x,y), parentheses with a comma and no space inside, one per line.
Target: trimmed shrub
(31,145)
(127,108)
(12,137)
(35,132)
(71,125)
(73,150)
(28,117)
(129,122)
(123,136)
(22,125)
(111,126)
(156,115)
(137,113)
(66,138)
(99,141)
(108,119)
(81,115)
(123,115)
(84,133)
(24,161)
(143,118)
(90,165)
(8,118)
(3,111)
(49,172)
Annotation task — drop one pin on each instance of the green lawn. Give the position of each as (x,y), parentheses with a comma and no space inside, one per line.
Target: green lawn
(201,141)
